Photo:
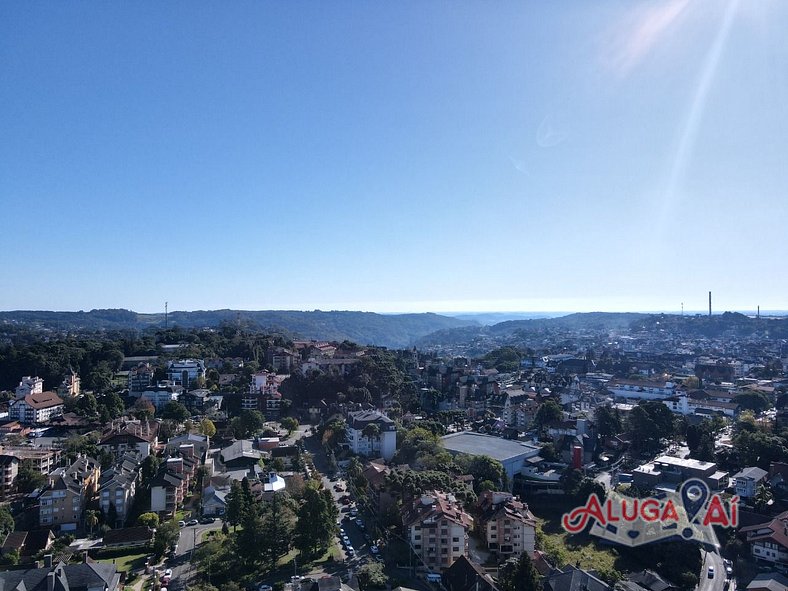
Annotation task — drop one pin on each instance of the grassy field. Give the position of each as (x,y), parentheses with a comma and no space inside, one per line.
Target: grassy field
(128,563)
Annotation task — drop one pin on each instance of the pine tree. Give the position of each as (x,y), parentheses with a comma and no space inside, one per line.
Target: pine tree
(519,575)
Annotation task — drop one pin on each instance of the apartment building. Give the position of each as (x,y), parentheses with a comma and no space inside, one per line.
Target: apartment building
(118,489)
(62,501)
(161,394)
(70,386)
(29,385)
(34,409)
(185,372)
(669,472)
(769,541)
(9,468)
(371,433)
(141,377)
(437,529)
(506,524)
(44,460)
(747,481)
(166,492)
(130,436)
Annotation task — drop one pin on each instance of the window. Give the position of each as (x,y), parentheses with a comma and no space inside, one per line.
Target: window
(456,549)
(455,539)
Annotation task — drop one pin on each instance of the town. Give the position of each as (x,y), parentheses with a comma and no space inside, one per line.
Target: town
(229,458)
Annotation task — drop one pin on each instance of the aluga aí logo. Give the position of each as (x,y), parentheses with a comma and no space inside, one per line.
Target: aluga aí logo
(688,514)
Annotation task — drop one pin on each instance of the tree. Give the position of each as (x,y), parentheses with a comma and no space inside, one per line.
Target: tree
(247,424)
(278,523)
(371,431)
(548,413)
(608,421)
(207,427)
(372,575)
(91,519)
(519,574)
(317,521)
(29,478)
(87,405)
(150,520)
(175,411)
(166,537)
(570,480)
(6,521)
(236,504)
(484,468)
(150,466)
(144,409)
(289,423)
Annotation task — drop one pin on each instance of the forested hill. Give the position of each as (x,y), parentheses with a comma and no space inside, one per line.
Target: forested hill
(366,328)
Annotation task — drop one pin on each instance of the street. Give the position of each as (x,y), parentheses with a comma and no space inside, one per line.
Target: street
(717,583)
(181,565)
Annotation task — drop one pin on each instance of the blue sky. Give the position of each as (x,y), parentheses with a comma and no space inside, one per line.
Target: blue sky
(393,156)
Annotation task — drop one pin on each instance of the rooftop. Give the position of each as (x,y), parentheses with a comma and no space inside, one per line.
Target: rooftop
(469,442)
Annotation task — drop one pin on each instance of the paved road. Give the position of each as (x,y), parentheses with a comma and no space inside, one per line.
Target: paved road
(181,566)
(717,583)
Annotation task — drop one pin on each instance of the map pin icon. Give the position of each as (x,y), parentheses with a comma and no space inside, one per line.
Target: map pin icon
(694,494)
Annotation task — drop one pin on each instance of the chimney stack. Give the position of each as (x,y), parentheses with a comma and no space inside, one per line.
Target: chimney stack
(709,304)
(47,561)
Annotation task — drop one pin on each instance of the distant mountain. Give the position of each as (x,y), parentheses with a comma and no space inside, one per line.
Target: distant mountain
(488,318)
(366,328)
(466,335)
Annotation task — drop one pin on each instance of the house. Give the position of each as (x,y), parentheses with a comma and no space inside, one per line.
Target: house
(130,436)
(747,481)
(437,528)
(465,575)
(769,541)
(272,483)
(650,581)
(287,454)
(200,443)
(371,433)
(27,543)
(571,578)
(128,537)
(87,576)
(240,454)
(768,582)
(214,501)
(506,524)
(35,409)
(118,489)
(63,499)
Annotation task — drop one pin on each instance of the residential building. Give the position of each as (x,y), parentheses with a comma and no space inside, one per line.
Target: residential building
(506,524)
(130,436)
(70,386)
(668,472)
(9,468)
(571,578)
(166,492)
(44,460)
(200,444)
(371,433)
(37,408)
(769,541)
(747,481)
(27,544)
(437,528)
(642,390)
(129,537)
(240,454)
(768,582)
(29,385)
(185,372)
(214,501)
(161,394)
(63,499)
(118,489)
(141,377)
(87,576)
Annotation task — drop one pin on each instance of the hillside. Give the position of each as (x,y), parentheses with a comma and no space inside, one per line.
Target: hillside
(396,330)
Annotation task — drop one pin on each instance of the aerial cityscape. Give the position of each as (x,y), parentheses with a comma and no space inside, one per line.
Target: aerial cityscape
(394,296)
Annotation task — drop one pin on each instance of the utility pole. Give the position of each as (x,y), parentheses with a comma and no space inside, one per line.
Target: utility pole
(166,311)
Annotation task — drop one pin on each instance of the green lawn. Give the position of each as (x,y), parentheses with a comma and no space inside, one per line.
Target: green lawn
(128,563)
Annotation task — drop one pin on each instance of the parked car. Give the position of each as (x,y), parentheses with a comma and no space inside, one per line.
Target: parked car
(350,551)
(181,523)
(192,522)
(168,572)
(207,520)
(264,587)
(711,572)
(374,550)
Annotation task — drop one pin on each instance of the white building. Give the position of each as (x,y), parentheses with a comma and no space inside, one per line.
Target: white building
(184,371)
(437,529)
(36,408)
(506,523)
(748,480)
(29,385)
(643,390)
(160,395)
(365,440)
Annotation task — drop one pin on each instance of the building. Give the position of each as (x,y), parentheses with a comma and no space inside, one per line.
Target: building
(769,541)
(668,472)
(642,390)
(200,444)
(186,372)
(512,454)
(87,576)
(129,537)
(214,501)
(240,454)
(62,501)
(118,489)
(9,468)
(29,385)
(371,433)
(161,394)
(166,492)
(437,528)
(141,377)
(747,481)
(465,575)
(768,582)
(506,524)
(571,578)
(37,408)
(41,459)
(130,436)
(70,386)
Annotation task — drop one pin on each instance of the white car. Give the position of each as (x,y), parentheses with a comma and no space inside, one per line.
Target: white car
(168,572)
(374,549)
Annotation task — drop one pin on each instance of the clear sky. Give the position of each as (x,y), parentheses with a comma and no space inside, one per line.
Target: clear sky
(394,156)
